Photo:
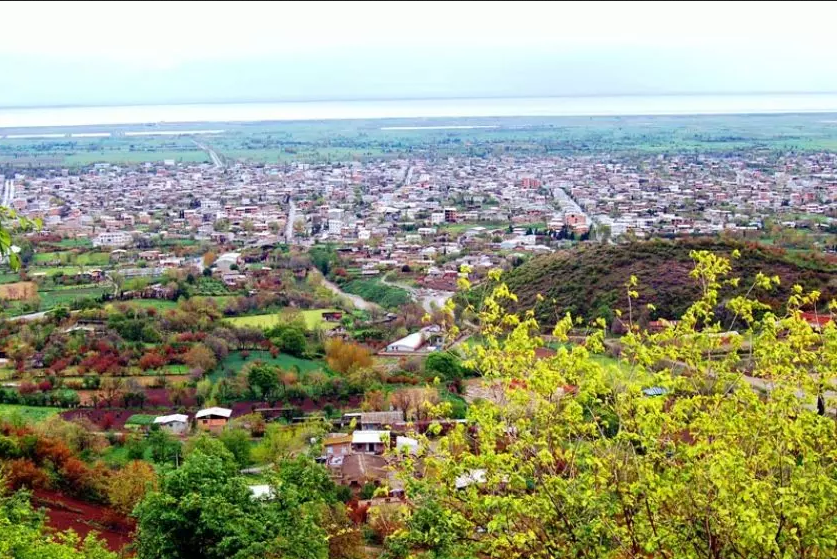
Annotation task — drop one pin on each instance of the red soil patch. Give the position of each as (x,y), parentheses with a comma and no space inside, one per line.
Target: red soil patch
(65,513)
(307,405)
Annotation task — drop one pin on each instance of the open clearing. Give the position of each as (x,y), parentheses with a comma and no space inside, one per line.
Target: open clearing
(313,319)
(30,414)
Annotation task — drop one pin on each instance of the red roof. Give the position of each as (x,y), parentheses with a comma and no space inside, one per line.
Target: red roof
(816,320)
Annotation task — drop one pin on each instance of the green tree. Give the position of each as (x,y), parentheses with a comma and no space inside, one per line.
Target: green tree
(164,447)
(237,442)
(445,365)
(23,534)
(579,458)
(292,341)
(205,510)
(263,379)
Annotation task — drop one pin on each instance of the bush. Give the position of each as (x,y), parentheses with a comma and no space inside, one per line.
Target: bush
(368,491)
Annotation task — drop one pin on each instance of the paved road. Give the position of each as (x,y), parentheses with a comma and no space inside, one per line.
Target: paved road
(358,302)
(28,317)
(289,226)
(212,154)
(8,193)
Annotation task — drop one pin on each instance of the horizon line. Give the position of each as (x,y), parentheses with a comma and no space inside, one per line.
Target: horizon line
(410,98)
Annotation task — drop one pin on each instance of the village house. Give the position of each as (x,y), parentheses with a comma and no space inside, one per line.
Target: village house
(378,420)
(176,424)
(370,442)
(213,419)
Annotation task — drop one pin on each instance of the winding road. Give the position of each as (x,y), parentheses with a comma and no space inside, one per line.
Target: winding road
(358,302)
(429,298)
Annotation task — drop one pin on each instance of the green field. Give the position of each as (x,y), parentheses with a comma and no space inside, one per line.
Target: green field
(313,318)
(159,304)
(68,258)
(29,414)
(234,362)
(50,299)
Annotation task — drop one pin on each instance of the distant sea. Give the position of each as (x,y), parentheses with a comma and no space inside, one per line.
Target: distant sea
(421,108)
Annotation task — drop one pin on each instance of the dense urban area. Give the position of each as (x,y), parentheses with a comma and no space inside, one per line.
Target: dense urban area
(254,345)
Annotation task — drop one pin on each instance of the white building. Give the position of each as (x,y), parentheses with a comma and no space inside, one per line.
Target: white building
(112,239)
(335,221)
(407,344)
(176,424)
(437,218)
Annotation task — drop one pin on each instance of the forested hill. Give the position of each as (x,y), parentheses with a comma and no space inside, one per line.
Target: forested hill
(590,280)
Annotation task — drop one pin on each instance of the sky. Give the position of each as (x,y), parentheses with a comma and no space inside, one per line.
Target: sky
(90,53)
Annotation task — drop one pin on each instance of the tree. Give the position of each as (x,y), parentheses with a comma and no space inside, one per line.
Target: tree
(129,485)
(200,357)
(205,509)
(237,442)
(24,535)
(573,458)
(445,365)
(346,357)
(292,341)
(164,447)
(263,379)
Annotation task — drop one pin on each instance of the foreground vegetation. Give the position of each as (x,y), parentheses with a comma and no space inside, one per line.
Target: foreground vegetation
(577,461)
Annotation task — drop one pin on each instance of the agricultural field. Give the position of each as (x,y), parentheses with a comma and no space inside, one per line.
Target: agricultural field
(68,257)
(235,361)
(313,319)
(29,414)
(158,304)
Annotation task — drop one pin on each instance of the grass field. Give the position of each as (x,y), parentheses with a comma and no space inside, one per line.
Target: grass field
(313,318)
(120,156)
(29,414)
(159,304)
(234,362)
(50,299)
(67,257)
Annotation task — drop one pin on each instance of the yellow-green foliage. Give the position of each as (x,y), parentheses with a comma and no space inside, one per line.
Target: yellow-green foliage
(719,466)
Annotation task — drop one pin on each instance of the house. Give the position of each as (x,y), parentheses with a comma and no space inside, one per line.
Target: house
(112,239)
(408,344)
(370,442)
(176,424)
(226,261)
(332,316)
(337,444)
(213,419)
(359,469)
(378,420)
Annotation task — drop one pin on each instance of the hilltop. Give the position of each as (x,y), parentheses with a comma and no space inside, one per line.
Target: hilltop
(589,280)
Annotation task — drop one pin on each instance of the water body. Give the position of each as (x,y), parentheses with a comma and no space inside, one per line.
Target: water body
(421,108)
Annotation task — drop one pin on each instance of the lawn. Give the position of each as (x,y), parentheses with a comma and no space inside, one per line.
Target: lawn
(29,414)
(313,318)
(234,362)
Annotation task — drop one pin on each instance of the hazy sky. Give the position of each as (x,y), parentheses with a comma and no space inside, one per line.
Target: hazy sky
(122,52)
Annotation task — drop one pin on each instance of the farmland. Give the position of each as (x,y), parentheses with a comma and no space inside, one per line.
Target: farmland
(28,414)
(236,360)
(313,319)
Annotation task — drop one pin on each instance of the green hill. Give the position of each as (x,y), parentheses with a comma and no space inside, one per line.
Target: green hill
(589,280)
